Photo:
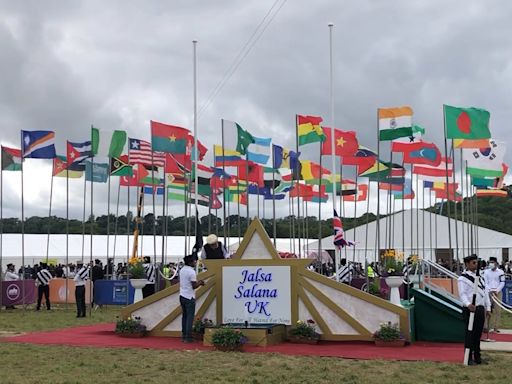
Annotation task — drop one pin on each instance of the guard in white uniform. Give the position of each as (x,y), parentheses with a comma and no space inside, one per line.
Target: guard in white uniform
(495,281)
(480,304)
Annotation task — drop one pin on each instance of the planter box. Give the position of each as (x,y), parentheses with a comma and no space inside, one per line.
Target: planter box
(391,343)
(261,335)
(302,340)
(131,335)
(197,336)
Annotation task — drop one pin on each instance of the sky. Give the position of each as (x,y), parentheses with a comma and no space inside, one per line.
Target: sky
(119,64)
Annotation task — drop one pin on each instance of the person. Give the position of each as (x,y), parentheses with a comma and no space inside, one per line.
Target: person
(11,275)
(80,278)
(97,271)
(108,270)
(43,278)
(495,281)
(345,272)
(480,307)
(213,249)
(150,271)
(188,284)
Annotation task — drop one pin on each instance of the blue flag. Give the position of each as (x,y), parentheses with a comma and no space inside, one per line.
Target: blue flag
(38,144)
(96,172)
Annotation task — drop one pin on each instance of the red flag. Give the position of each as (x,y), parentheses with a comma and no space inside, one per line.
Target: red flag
(345,142)
(251,173)
(362,194)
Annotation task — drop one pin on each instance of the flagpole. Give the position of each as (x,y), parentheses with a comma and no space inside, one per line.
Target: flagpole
(115,230)
(23,220)
(403,208)
(196,157)
(355,216)
(462,202)
(450,251)
(223,179)
(128,240)
(91,298)
(333,162)
(49,218)
(163,228)
(67,231)
(430,224)
(1,225)
(377,250)
(455,209)
(108,209)
(83,215)
(274,225)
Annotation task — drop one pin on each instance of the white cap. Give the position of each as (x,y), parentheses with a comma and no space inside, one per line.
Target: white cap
(211,239)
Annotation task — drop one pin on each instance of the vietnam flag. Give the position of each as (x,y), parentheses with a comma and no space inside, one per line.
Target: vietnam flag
(345,142)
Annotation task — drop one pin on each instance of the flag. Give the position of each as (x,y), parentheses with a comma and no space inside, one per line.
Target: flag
(337,225)
(485,162)
(60,169)
(107,143)
(383,170)
(313,172)
(251,173)
(173,166)
(96,172)
(140,152)
(11,159)
(150,190)
(38,144)
(169,138)
(259,150)
(466,123)
(364,158)
(244,138)
(284,158)
(226,157)
(395,123)
(467,143)
(361,195)
(345,142)
(409,143)
(309,129)
(450,195)
(119,166)
(76,153)
(435,171)
(424,153)
(441,186)
(491,192)
(405,192)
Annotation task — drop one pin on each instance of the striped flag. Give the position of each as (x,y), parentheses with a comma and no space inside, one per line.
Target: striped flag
(140,152)
(431,171)
(38,144)
(338,240)
(11,159)
(395,123)
(78,152)
(259,150)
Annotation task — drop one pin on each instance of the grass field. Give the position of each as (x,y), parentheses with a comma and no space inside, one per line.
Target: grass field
(61,364)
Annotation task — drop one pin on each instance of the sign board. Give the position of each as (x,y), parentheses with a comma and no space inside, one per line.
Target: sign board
(256,294)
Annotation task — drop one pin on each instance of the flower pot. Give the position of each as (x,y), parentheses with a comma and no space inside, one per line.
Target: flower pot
(390,343)
(138,284)
(229,348)
(394,282)
(302,340)
(198,336)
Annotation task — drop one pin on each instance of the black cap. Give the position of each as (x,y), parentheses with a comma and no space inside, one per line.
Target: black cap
(492,258)
(147,259)
(189,258)
(10,265)
(469,258)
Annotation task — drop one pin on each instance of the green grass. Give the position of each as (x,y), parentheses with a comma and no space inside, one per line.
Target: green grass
(62,364)
(30,320)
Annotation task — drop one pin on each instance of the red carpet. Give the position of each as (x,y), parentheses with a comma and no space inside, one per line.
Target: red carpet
(102,335)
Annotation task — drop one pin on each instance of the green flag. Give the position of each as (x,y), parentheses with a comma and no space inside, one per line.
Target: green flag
(466,123)
(108,143)
(244,139)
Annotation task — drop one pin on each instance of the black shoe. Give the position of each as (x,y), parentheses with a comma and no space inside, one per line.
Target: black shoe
(480,361)
(472,362)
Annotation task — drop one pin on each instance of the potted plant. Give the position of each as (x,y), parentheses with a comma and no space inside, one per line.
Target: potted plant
(137,276)
(198,327)
(130,327)
(388,335)
(228,339)
(304,332)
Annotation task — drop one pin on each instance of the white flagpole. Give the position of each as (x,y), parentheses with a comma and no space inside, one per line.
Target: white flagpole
(333,162)
(196,178)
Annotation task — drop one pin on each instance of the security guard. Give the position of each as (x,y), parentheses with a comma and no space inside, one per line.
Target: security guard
(480,304)
(80,278)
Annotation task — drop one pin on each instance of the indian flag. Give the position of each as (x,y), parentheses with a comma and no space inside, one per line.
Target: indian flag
(395,123)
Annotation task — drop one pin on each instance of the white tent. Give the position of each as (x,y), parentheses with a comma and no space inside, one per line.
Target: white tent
(424,241)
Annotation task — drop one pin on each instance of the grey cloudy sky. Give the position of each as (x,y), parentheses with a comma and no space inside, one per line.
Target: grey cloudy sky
(119,64)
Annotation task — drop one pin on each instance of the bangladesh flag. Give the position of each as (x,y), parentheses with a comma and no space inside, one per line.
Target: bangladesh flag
(466,123)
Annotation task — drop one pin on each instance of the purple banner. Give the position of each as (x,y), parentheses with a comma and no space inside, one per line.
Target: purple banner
(12,292)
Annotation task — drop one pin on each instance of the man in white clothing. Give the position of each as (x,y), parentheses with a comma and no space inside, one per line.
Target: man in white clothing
(188,284)
(480,305)
(495,281)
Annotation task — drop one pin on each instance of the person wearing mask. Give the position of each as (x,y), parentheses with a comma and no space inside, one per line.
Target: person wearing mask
(11,275)
(214,249)
(188,284)
(43,278)
(80,278)
(480,307)
(495,281)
